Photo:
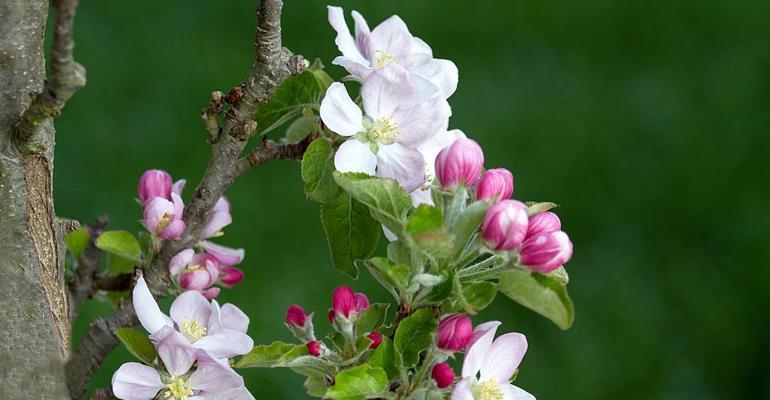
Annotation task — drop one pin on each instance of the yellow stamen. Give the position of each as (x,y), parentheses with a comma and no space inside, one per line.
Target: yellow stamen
(177,389)
(164,221)
(383,131)
(487,390)
(192,330)
(382,58)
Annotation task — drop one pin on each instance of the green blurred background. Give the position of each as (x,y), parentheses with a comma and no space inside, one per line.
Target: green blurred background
(648,122)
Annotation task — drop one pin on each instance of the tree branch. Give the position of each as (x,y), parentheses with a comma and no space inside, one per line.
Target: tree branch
(270,150)
(81,285)
(67,76)
(272,65)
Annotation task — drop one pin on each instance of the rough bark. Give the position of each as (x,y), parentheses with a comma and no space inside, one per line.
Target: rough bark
(34,322)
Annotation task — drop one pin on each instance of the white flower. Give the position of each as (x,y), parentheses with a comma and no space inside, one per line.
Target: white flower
(186,373)
(389,42)
(219,331)
(398,116)
(488,366)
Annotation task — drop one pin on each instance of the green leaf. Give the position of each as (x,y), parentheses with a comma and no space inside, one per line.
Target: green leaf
(317,170)
(138,344)
(560,274)
(294,94)
(305,364)
(395,275)
(384,357)
(424,218)
(315,386)
(387,201)
(266,356)
(413,335)
(479,295)
(372,318)
(426,394)
(535,207)
(399,252)
(77,241)
(350,231)
(301,128)
(467,224)
(545,295)
(439,243)
(443,290)
(122,248)
(358,383)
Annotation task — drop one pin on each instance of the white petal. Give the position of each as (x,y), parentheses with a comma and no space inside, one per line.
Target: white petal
(362,34)
(403,164)
(385,90)
(391,37)
(177,353)
(191,305)
(134,381)
(233,318)
(344,39)
(421,196)
(354,68)
(389,234)
(463,390)
(147,309)
(180,261)
(354,156)
(443,73)
(339,112)
(422,121)
(213,377)
(511,392)
(504,357)
(225,343)
(478,348)
(239,393)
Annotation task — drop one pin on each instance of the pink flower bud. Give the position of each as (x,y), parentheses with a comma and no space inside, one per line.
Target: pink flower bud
(496,184)
(546,251)
(345,302)
(459,163)
(296,316)
(211,293)
(164,218)
(545,221)
(314,348)
(154,183)
(505,225)
(454,332)
(230,276)
(376,338)
(443,375)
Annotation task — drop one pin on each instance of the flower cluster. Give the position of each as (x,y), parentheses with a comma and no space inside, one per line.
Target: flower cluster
(212,264)
(192,347)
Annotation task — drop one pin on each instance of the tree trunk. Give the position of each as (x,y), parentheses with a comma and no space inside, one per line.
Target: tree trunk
(34,318)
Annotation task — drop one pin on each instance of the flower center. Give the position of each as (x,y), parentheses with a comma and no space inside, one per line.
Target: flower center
(487,390)
(192,330)
(383,131)
(177,389)
(382,58)
(194,267)
(164,221)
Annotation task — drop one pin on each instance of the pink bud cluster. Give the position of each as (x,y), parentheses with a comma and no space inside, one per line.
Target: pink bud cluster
(163,208)
(542,245)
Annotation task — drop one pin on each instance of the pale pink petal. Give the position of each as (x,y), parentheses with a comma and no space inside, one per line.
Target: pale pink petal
(462,390)
(354,156)
(213,376)
(233,318)
(511,392)
(419,123)
(387,89)
(239,393)
(198,279)
(362,34)
(478,347)
(211,293)
(339,113)
(156,210)
(178,205)
(177,353)
(354,68)
(221,342)
(191,306)
(147,309)
(344,40)
(403,164)
(443,73)
(217,220)
(174,230)
(178,187)
(225,255)
(504,357)
(180,261)
(134,381)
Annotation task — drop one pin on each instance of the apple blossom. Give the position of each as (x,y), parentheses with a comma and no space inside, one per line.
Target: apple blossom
(496,184)
(194,271)
(454,332)
(505,225)
(459,163)
(219,331)
(399,116)
(219,217)
(546,251)
(389,42)
(182,372)
(164,218)
(443,374)
(489,366)
(545,221)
